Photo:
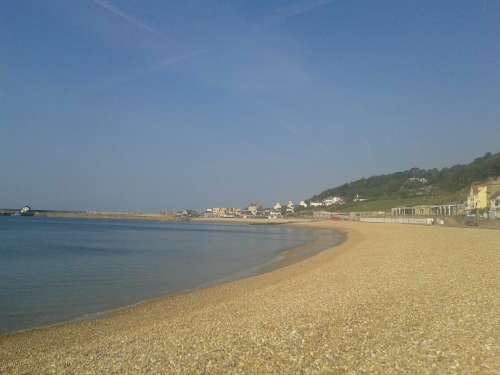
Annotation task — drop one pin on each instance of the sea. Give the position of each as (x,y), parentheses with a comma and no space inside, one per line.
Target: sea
(58,270)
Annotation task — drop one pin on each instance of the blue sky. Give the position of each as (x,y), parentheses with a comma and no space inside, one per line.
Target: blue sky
(148,105)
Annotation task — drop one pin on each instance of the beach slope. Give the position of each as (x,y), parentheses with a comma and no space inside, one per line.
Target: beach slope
(391,299)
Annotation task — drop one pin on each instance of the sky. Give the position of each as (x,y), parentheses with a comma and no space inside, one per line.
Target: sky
(147,105)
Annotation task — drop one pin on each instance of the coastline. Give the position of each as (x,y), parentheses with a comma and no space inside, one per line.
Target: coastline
(250,221)
(107,216)
(323,239)
(390,298)
(126,216)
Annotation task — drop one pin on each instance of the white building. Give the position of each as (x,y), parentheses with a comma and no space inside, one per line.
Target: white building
(253,208)
(274,215)
(421,180)
(218,211)
(333,200)
(303,204)
(26,211)
(316,204)
(358,198)
(277,206)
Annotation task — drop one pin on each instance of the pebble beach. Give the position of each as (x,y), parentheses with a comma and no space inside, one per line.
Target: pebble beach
(391,299)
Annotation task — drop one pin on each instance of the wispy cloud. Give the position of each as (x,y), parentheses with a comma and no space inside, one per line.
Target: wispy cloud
(295,9)
(278,15)
(127,17)
(153,68)
(303,7)
(168,62)
(124,16)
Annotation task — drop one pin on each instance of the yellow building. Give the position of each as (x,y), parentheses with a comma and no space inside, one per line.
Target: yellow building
(480,194)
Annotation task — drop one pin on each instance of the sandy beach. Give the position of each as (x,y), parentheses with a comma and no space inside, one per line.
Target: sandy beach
(391,299)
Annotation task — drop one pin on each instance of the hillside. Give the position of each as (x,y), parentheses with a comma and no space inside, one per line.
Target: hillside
(415,186)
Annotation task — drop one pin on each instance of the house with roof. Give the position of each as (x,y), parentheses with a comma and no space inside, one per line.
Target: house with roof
(290,207)
(481,195)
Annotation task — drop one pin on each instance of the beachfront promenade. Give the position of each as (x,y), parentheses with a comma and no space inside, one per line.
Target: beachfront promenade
(391,299)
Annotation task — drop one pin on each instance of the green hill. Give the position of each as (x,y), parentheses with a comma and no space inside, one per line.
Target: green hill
(415,186)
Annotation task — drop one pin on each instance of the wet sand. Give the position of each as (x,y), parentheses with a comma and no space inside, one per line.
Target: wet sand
(391,299)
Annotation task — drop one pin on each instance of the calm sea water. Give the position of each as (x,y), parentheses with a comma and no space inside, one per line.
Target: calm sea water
(53,270)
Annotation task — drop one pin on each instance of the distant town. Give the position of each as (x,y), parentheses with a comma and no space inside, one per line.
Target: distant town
(482,203)
(462,194)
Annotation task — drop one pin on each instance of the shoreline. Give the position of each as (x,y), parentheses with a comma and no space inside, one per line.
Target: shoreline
(285,257)
(249,220)
(160,218)
(392,298)
(282,258)
(106,216)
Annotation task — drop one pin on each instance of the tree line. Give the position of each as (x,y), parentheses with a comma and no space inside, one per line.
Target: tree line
(419,182)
